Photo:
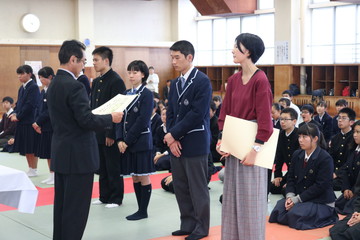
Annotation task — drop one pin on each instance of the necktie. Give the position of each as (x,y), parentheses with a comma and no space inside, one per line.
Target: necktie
(183,80)
(305,162)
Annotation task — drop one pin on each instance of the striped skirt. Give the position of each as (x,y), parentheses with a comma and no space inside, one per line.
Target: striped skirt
(244,204)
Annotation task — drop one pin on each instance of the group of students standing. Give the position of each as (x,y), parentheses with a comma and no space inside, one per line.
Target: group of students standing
(322,157)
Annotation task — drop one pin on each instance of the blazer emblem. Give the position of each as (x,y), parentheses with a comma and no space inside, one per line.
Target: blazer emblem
(136,109)
(186,102)
(311,171)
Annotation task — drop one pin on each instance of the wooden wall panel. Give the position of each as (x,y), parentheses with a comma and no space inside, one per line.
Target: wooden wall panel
(9,61)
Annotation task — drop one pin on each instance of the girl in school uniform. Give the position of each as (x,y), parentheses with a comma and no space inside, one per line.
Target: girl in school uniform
(345,203)
(24,115)
(310,199)
(42,124)
(134,138)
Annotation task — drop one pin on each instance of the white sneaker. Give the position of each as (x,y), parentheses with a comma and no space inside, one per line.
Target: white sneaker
(97,202)
(32,172)
(50,182)
(111,205)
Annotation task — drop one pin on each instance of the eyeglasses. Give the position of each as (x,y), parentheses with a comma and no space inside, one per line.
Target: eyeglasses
(342,118)
(83,61)
(285,119)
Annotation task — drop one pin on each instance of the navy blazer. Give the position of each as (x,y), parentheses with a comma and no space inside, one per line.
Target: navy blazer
(42,114)
(74,148)
(326,123)
(314,182)
(28,100)
(134,129)
(187,116)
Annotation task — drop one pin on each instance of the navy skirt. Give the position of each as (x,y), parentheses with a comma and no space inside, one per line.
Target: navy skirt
(137,163)
(304,216)
(25,139)
(344,206)
(43,149)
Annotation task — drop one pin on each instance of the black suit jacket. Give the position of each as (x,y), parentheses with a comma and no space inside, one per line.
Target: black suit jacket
(74,146)
(103,89)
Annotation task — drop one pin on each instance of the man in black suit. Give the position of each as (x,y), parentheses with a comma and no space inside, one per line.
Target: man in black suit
(106,86)
(166,91)
(74,156)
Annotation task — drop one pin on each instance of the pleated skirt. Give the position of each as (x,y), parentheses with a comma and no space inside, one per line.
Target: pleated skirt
(137,163)
(244,203)
(304,216)
(43,149)
(25,139)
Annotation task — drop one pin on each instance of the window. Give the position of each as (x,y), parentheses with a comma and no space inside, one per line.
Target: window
(216,38)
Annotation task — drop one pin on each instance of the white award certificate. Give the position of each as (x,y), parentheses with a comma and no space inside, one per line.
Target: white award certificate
(116,104)
(238,138)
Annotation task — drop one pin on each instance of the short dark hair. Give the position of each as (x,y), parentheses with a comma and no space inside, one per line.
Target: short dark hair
(322,104)
(253,43)
(308,108)
(212,106)
(277,106)
(169,80)
(8,99)
(139,65)
(183,46)
(71,48)
(291,111)
(151,67)
(288,92)
(341,102)
(156,95)
(286,100)
(217,99)
(350,112)
(104,53)
(46,72)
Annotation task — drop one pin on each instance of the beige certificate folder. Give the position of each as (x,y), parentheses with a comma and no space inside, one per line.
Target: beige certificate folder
(116,104)
(239,136)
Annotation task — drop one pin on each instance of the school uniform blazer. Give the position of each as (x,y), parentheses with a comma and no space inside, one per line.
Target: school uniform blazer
(326,123)
(351,171)
(187,117)
(74,147)
(134,129)
(357,194)
(287,145)
(28,99)
(314,182)
(338,149)
(43,118)
(103,89)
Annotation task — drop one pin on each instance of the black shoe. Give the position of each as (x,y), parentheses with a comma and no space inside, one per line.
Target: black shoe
(180,233)
(136,216)
(195,237)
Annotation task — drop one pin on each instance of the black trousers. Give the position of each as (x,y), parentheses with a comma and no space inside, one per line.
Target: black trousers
(342,231)
(71,206)
(110,183)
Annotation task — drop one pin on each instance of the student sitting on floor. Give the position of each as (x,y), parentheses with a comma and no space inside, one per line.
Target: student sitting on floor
(307,113)
(340,104)
(310,198)
(275,114)
(324,119)
(288,143)
(339,143)
(345,203)
(162,157)
(7,127)
(214,130)
(349,227)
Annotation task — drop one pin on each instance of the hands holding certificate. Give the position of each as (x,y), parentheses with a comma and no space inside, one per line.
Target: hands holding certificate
(117,116)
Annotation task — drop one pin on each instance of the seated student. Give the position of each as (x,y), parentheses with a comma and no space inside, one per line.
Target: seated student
(162,157)
(275,114)
(307,113)
(339,143)
(324,119)
(217,100)
(310,198)
(349,227)
(7,127)
(350,171)
(288,143)
(340,104)
(9,146)
(288,94)
(155,121)
(214,129)
(285,102)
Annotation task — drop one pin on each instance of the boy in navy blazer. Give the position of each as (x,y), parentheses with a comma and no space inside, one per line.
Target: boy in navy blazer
(188,138)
